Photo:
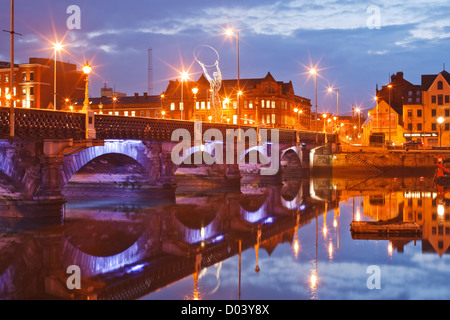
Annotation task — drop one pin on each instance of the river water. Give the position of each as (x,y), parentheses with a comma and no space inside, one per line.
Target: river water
(278,242)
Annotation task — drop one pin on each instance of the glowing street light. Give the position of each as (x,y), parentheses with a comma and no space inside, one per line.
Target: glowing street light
(184,76)
(331,90)
(230,32)
(57,47)
(313,72)
(440,121)
(86,70)
(195,91)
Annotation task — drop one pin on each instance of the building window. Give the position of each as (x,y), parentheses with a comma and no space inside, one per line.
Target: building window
(419,113)
(125,113)
(433,126)
(267,118)
(24,76)
(116,113)
(245,104)
(234,104)
(410,100)
(148,113)
(409,93)
(440,85)
(440,100)
(273,104)
(133,113)
(31,75)
(24,91)
(447,112)
(31,91)
(433,112)
(141,113)
(273,118)
(409,113)
(447,99)
(181,105)
(417,100)
(197,105)
(447,126)
(419,127)
(250,104)
(208,105)
(172,106)
(262,104)
(202,105)
(6,78)
(410,127)
(433,99)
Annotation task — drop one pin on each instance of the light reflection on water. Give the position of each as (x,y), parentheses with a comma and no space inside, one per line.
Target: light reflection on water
(309,254)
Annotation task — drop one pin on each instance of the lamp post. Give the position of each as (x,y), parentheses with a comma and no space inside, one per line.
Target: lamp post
(195,91)
(314,73)
(57,46)
(358,111)
(90,126)
(184,76)
(331,90)
(389,110)
(86,70)
(440,121)
(229,33)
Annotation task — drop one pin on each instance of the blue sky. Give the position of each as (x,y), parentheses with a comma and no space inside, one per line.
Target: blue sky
(341,38)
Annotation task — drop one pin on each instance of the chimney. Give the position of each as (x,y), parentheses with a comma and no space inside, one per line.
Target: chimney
(145,95)
(136,95)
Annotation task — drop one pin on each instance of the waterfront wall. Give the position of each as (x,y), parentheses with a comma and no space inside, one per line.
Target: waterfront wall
(382,161)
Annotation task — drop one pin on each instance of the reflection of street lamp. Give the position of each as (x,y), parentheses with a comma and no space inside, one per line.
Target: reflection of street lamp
(163,113)
(440,121)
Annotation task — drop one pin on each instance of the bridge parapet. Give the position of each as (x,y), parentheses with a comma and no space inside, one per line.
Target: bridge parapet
(43,124)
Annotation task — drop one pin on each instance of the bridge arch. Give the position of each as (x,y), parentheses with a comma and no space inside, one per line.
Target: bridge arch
(129,148)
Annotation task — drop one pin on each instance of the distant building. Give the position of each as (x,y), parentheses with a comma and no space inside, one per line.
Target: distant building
(34,83)
(133,106)
(264,101)
(106,92)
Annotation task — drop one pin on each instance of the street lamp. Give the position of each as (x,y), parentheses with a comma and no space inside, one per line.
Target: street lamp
(57,46)
(86,70)
(230,33)
(314,73)
(331,90)
(358,111)
(389,87)
(184,77)
(163,113)
(440,121)
(195,91)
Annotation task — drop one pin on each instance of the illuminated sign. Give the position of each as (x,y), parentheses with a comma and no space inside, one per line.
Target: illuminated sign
(420,134)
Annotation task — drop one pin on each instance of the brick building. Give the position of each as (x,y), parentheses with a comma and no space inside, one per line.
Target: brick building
(264,101)
(34,83)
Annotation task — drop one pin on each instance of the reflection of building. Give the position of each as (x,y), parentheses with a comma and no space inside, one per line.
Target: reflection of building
(34,83)
(265,101)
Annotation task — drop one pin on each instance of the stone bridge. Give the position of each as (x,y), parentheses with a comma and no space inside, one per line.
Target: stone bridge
(50,147)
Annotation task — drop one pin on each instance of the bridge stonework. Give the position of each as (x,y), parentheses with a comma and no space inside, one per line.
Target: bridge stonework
(50,147)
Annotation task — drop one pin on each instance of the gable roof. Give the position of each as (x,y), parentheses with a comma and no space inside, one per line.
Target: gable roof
(428,79)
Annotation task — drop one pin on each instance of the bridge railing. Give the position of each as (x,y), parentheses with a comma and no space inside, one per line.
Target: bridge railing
(39,123)
(49,124)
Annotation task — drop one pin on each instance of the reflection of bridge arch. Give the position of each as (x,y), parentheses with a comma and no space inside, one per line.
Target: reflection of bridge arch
(92,265)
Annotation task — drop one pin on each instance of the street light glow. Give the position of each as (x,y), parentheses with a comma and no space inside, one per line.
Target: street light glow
(87,68)
(58,46)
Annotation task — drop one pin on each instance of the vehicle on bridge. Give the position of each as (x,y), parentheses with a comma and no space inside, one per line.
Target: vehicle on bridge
(413,144)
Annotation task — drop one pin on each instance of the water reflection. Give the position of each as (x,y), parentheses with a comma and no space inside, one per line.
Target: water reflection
(265,241)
